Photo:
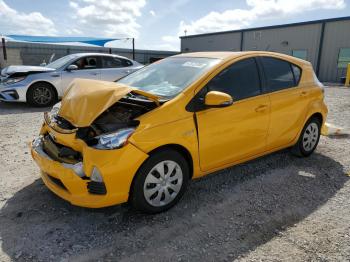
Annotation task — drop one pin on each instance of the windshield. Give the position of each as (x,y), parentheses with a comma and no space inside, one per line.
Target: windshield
(60,62)
(168,77)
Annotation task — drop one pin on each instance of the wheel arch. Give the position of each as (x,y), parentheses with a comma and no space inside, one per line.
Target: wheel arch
(45,82)
(179,148)
(318,116)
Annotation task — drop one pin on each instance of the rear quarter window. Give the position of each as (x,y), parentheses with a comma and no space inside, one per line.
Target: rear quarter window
(297,74)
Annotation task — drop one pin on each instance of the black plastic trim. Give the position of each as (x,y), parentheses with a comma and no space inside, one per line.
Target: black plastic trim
(96,188)
(320,47)
(57,182)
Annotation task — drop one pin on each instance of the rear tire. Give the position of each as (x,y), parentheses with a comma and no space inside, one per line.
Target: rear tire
(309,138)
(41,95)
(160,182)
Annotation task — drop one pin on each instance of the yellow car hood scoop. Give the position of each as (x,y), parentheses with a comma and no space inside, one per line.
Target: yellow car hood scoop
(86,99)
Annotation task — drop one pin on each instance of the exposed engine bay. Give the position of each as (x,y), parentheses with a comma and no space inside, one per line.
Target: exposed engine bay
(120,115)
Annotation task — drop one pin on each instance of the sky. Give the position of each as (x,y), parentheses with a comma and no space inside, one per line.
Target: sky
(156,24)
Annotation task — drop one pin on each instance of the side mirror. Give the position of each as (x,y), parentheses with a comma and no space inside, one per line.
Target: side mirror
(217,99)
(72,67)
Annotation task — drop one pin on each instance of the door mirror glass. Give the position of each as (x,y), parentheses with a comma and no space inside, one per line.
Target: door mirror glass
(72,67)
(217,99)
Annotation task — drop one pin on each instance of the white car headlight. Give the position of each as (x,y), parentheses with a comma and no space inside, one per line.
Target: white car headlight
(114,140)
(13,80)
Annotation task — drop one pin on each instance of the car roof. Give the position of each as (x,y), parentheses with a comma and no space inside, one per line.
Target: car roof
(98,54)
(232,55)
(219,55)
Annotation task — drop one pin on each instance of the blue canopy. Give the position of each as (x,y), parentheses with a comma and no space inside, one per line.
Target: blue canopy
(59,39)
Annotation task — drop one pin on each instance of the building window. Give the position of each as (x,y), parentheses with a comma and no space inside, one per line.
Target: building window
(302,54)
(257,35)
(344,58)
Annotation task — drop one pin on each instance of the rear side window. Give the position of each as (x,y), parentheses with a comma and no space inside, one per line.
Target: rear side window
(240,80)
(114,62)
(279,74)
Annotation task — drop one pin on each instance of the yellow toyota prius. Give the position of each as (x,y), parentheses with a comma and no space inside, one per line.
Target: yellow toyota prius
(141,139)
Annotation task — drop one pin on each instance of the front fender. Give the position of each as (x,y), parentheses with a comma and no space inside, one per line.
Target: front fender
(180,132)
(53,78)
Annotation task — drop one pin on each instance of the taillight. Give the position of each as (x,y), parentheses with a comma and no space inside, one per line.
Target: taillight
(317,82)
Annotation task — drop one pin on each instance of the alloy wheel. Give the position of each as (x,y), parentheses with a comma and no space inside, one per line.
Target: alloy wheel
(42,95)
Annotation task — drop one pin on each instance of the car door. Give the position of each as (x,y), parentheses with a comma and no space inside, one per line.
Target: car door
(288,100)
(89,67)
(238,131)
(114,68)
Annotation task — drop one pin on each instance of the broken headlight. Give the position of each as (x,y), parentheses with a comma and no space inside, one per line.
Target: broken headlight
(13,80)
(54,112)
(114,140)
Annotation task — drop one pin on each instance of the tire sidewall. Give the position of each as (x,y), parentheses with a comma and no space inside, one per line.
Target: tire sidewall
(30,94)
(301,146)
(137,195)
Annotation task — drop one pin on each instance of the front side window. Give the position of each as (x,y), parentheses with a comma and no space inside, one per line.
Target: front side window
(170,76)
(302,54)
(344,58)
(61,61)
(278,74)
(240,80)
(89,62)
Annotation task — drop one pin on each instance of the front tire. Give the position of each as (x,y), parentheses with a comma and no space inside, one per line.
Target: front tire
(309,138)
(41,95)
(160,182)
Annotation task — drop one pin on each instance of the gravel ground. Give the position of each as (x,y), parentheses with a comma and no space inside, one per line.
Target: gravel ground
(277,207)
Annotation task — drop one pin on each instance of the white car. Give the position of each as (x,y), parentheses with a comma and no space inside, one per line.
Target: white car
(43,86)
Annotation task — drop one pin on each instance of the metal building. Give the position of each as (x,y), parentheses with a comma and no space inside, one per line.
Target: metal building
(325,43)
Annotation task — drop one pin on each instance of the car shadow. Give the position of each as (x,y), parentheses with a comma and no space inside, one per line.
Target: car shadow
(222,216)
(7,108)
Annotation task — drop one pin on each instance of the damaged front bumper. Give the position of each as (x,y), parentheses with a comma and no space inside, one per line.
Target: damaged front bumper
(72,181)
(14,92)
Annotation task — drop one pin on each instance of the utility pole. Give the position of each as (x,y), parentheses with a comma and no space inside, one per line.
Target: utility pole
(4,48)
(133,48)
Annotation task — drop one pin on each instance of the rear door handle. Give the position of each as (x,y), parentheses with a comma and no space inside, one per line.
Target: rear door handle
(94,73)
(261,108)
(303,93)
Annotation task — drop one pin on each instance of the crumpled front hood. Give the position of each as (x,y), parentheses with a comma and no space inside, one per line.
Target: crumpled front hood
(86,99)
(10,70)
